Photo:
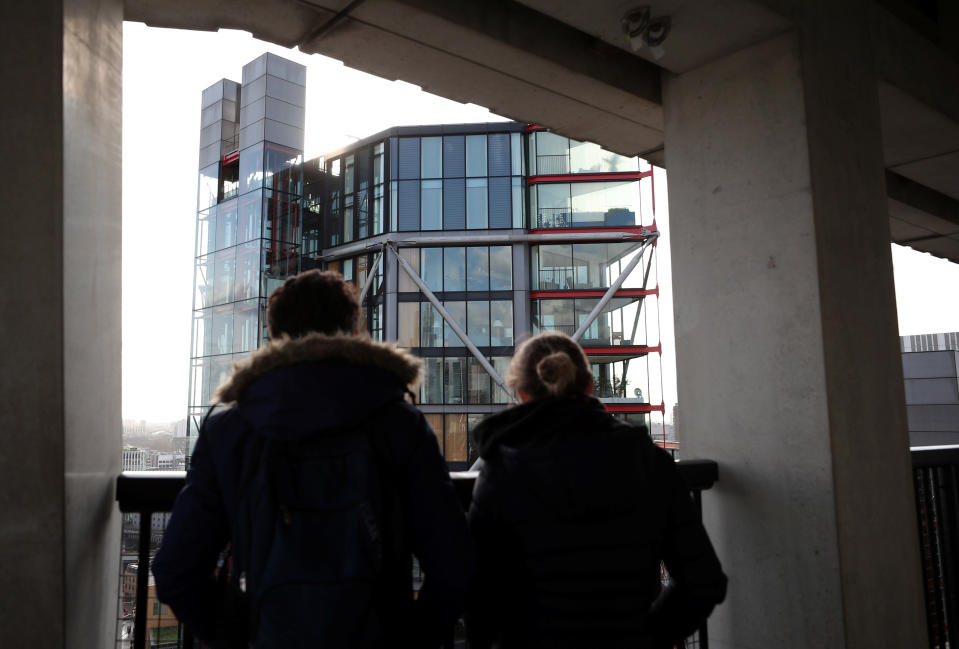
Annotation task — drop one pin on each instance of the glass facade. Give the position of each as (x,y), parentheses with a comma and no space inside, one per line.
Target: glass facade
(455,192)
(248,235)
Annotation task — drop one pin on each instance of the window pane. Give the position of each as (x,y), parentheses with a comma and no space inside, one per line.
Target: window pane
(203,282)
(501,316)
(408,324)
(409,205)
(224,267)
(519,205)
(458,312)
(431,390)
(590,265)
(589,157)
(552,154)
(409,159)
(501,268)
(394,204)
(404,282)
(431,264)
(349,174)
(479,382)
(477,266)
(248,217)
(552,267)
(226,225)
(431,326)
(206,231)
(610,204)
(456,438)
(246,328)
(553,206)
(554,315)
(454,380)
(516,149)
(432,205)
(501,365)
(454,269)
(431,165)
(223,329)
(247,270)
(476,155)
(378,163)
(476,204)
(251,168)
(477,322)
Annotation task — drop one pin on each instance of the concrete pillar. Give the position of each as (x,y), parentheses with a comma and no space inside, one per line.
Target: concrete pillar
(60,303)
(786,339)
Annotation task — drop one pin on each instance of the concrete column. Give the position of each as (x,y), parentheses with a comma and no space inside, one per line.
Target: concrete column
(60,305)
(786,339)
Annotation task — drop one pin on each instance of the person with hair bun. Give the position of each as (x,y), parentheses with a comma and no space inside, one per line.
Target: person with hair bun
(573,513)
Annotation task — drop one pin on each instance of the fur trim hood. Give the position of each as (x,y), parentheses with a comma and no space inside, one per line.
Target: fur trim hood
(355,350)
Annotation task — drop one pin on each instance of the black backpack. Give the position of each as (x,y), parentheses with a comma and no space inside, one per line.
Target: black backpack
(317,537)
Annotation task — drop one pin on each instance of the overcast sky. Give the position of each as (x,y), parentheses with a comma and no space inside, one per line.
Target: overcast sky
(164,72)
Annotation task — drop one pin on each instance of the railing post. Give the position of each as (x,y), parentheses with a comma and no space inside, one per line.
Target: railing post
(143,581)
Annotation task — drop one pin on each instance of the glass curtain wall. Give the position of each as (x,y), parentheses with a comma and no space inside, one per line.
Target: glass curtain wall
(247,241)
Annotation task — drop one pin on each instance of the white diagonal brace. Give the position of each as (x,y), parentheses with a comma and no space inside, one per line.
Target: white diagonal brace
(370,275)
(451,321)
(614,287)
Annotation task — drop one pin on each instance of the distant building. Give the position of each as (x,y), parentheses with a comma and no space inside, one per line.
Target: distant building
(930,365)
(134,459)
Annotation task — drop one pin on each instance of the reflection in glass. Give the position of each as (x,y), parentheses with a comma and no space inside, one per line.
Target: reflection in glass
(431,326)
(247,270)
(479,382)
(457,311)
(224,263)
(246,327)
(477,204)
(405,283)
(203,282)
(248,217)
(516,150)
(501,365)
(477,268)
(477,322)
(251,168)
(226,225)
(223,329)
(200,390)
(454,380)
(205,231)
(431,204)
(552,154)
(475,155)
(454,269)
(501,318)
(501,268)
(431,390)
(431,263)
(408,324)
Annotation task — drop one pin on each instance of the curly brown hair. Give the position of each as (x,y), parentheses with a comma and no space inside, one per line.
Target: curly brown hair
(315,300)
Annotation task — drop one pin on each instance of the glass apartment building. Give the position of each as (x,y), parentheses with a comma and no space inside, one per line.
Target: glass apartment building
(461,239)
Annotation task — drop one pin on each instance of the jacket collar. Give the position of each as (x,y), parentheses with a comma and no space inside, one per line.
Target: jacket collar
(356,350)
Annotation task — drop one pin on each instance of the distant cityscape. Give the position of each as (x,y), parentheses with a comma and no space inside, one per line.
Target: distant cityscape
(155,446)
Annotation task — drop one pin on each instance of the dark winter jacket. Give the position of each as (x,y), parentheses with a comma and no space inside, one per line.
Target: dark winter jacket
(290,389)
(572,513)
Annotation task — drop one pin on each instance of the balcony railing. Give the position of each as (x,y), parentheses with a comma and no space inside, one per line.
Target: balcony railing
(936,476)
(144,494)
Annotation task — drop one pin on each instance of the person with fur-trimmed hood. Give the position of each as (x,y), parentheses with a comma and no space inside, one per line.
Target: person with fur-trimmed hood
(318,373)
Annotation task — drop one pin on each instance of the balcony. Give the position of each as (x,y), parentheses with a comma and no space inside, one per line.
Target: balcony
(145,497)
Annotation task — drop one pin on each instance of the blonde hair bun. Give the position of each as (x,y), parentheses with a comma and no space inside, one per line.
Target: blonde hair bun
(557,372)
